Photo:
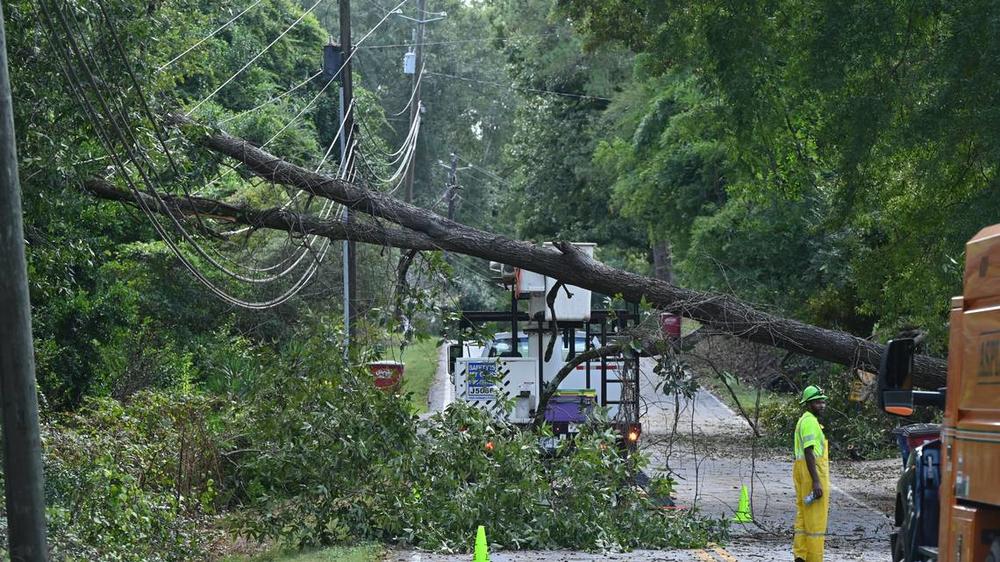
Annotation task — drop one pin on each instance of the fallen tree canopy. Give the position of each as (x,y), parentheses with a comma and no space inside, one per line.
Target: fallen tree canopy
(426,230)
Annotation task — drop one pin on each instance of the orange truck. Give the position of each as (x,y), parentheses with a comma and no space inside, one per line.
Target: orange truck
(948,502)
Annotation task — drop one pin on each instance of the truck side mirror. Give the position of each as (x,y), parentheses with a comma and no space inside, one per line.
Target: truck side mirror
(454,352)
(895,377)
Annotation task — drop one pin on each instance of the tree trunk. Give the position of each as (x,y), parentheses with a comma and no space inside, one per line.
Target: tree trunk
(663,261)
(564,262)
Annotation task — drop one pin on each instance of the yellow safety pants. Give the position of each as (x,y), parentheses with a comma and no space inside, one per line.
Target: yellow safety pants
(810,520)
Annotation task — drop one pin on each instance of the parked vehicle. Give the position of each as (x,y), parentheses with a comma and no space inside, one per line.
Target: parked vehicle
(948,501)
(511,374)
(500,346)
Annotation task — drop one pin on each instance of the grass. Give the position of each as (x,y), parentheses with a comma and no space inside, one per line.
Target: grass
(746,394)
(421,358)
(363,553)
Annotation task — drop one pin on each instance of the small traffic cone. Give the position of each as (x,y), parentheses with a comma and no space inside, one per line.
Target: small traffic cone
(482,553)
(743,514)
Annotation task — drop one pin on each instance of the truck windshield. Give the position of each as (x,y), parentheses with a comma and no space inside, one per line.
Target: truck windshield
(502,345)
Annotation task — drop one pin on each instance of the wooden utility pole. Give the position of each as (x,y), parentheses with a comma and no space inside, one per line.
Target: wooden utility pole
(350,249)
(22,458)
(418,60)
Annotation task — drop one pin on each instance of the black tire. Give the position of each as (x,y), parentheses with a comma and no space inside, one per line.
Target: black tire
(896,547)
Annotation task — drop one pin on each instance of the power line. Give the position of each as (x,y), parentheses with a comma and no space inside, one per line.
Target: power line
(413,94)
(332,79)
(462,41)
(255,57)
(488,173)
(522,88)
(273,99)
(132,153)
(209,36)
(131,156)
(311,102)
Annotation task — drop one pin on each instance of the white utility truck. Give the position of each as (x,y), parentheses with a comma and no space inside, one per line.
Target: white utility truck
(509,377)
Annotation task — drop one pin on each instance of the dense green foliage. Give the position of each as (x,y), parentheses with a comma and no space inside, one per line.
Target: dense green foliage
(310,453)
(823,160)
(841,154)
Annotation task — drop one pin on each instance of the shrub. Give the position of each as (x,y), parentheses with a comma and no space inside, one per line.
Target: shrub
(336,460)
(131,481)
(858,430)
(312,454)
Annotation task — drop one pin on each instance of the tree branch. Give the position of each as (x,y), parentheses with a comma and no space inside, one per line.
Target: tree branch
(274,218)
(553,385)
(722,312)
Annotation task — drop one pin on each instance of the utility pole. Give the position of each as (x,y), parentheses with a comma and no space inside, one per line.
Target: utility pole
(452,185)
(350,248)
(418,39)
(22,451)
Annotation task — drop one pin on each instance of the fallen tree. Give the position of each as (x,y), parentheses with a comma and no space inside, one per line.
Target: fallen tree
(424,230)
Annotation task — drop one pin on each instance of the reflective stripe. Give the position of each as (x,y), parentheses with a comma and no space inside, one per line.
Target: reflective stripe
(802,532)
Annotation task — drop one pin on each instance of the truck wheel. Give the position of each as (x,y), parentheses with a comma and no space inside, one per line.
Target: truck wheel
(896,545)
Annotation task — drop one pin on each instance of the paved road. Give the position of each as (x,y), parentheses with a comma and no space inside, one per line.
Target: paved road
(709,469)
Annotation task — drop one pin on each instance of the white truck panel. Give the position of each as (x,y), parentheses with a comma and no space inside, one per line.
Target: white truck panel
(481,381)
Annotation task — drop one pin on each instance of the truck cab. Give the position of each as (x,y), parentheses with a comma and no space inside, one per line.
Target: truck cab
(948,508)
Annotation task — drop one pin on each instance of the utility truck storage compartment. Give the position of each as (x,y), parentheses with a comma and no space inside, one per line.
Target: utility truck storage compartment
(571,406)
(909,437)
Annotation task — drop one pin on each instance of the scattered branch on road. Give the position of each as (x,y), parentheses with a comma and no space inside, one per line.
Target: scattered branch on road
(732,393)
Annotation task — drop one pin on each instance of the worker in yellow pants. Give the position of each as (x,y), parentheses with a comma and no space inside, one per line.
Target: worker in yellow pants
(811,474)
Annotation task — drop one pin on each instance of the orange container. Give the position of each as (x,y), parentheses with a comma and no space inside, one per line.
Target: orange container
(387,374)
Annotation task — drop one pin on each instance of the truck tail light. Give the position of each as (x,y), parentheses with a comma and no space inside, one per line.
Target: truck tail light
(632,433)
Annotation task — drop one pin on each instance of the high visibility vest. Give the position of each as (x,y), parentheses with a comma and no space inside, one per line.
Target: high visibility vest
(809,433)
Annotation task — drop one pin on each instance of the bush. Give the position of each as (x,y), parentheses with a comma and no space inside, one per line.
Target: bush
(312,454)
(131,481)
(336,460)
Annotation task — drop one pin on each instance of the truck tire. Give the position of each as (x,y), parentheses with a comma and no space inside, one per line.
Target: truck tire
(896,546)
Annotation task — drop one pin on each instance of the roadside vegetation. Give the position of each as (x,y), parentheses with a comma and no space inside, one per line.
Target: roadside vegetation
(421,359)
(306,452)
(831,175)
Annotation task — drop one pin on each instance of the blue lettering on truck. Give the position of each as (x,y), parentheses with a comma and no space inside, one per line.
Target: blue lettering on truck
(481,378)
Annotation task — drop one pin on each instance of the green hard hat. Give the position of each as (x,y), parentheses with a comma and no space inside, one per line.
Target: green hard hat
(812,392)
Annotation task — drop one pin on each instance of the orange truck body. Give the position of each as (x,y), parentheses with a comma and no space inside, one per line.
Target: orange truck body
(970,432)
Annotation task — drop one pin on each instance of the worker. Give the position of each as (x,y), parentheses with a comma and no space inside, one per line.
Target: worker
(811,474)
